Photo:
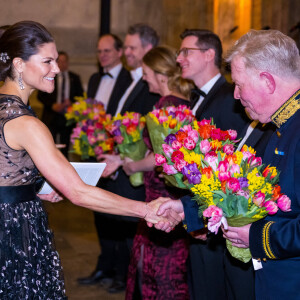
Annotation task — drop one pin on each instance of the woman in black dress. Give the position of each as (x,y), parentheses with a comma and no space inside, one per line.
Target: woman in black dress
(29,265)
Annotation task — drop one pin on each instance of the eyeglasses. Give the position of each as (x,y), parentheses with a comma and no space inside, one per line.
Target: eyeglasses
(105,51)
(186,51)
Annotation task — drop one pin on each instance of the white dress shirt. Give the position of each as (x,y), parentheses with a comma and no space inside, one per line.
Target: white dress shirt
(205,88)
(136,75)
(107,84)
(248,132)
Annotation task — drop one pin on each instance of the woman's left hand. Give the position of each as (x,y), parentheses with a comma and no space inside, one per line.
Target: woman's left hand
(128,166)
(52,197)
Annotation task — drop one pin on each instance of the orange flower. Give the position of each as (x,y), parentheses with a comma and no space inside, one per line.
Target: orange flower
(173,123)
(130,128)
(231,159)
(205,131)
(181,135)
(276,192)
(271,170)
(223,186)
(207,171)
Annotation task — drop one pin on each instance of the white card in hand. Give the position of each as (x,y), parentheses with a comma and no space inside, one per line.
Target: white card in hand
(90,174)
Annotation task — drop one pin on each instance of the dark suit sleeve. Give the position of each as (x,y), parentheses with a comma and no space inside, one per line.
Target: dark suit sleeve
(76,89)
(192,222)
(280,238)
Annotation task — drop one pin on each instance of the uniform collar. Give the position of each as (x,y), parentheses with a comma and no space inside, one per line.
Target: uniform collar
(287,110)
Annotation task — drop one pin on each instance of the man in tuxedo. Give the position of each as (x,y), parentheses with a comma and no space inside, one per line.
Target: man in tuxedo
(67,87)
(116,233)
(212,274)
(109,85)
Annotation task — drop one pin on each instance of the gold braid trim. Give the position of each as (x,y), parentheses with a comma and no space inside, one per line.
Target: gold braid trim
(266,240)
(287,110)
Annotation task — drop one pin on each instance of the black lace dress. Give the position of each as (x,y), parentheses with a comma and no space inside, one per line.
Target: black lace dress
(29,264)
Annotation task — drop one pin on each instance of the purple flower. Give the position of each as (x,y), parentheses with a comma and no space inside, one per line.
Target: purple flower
(243,182)
(117,123)
(84,128)
(117,132)
(170,139)
(192,173)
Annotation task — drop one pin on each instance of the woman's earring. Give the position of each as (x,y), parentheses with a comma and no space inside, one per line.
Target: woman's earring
(20,81)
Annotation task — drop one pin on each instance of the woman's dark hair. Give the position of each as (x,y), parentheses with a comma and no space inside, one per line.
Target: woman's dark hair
(23,40)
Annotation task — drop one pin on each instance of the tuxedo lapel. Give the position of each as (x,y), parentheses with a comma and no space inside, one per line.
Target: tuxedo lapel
(122,83)
(209,97)
(138,87)
(95,85)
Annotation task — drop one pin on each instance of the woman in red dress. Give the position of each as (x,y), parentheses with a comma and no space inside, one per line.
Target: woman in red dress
(157,268)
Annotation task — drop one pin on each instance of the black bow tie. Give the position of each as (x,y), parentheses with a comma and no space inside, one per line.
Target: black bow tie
(107,73)
(195,94)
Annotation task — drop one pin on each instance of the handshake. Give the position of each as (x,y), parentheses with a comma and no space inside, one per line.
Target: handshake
(164,213)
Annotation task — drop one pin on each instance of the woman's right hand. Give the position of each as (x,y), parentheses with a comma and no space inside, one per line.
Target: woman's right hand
(166,222)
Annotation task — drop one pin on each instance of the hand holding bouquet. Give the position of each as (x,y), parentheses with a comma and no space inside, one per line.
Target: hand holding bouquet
(127,132)
(230,187)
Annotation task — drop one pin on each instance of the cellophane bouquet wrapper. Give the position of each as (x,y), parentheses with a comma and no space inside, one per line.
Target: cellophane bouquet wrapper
(127,132)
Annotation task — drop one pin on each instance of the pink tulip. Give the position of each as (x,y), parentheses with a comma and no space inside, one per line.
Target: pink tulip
(223,166)
(271,207)
(205,146)
(189,143)
(159,159)
(187,128)
(179,164)
(194,135)
(255,161)
(235,169)
(168,150)
(233,184)
(212,159)
(233,134)
(92,139)
(228,149)
(259,199)
(215,215)
(176,145)
(170,170)
(118,139)
(223,176)
(216,134)
(284,203)
(204,122)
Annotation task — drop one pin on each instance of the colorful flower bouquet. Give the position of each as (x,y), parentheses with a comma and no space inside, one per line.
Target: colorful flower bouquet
(89,137)
(164,121)
(127,132)
(84,109)
(230,187)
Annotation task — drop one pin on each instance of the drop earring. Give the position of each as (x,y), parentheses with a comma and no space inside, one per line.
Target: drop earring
(20,81)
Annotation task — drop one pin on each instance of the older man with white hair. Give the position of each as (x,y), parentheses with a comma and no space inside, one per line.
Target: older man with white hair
(266,71)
